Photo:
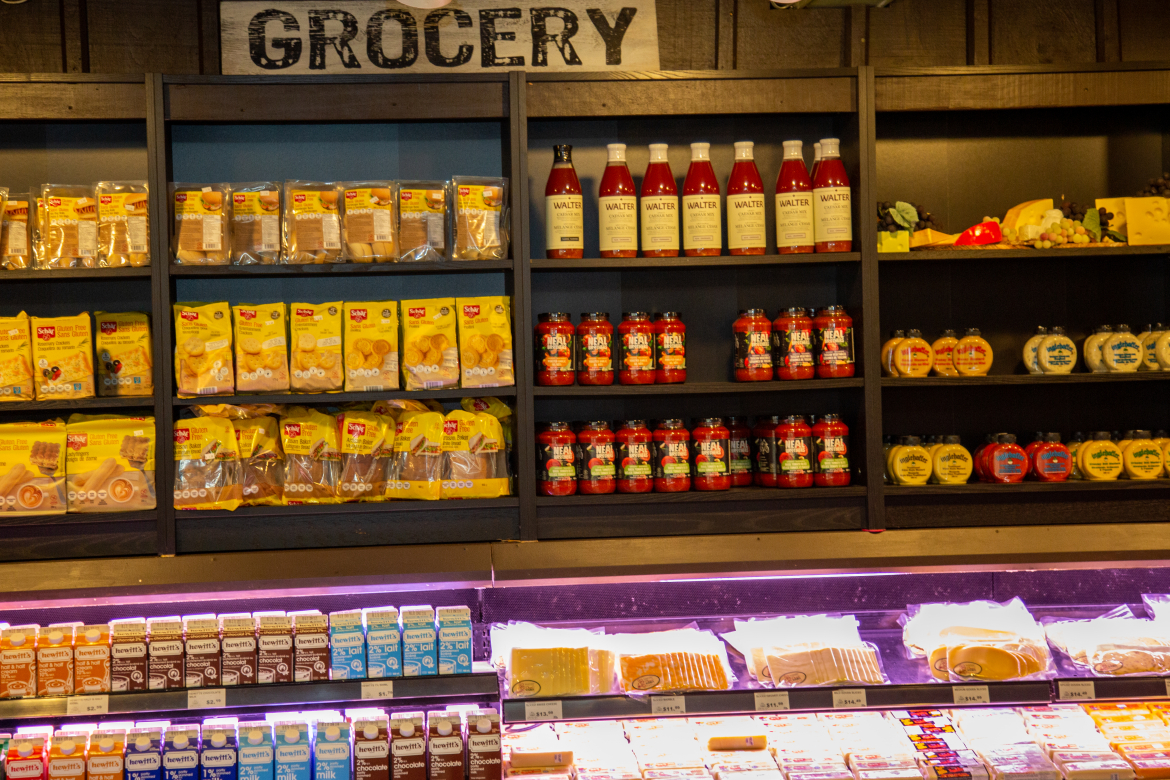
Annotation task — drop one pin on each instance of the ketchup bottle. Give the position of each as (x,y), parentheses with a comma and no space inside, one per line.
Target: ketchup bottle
(832,201)
(753,346)
(1030,451)
(1051,461)
(833,339)
(659,207)
(556,474)
(702,208)
(794,203)
(741,451)
(554,349)
(792,345)
(634,456)
(747,231)
(712,455)
(636,340)
(831,452)
(795,440)
(672,457)
(617,207)
(564,215)
(1005,461)
(766,452)
(977,456)
(670,348)
(595,459)
(595,349)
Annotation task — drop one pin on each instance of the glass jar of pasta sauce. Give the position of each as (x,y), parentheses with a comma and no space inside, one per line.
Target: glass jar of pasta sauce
(741,451)
(556,472)
(672,457)
(795,440)
(712,454)
(595,349)
(766,452)
(670,348)
(753,346)
(833,340)
(792,349)
(596,471)
(554,349)
(636,341)
(831,452)
(634,457)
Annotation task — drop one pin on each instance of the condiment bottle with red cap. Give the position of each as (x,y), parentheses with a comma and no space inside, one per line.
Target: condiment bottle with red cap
(1005,461)
(747,230)
(702,208)
(712,443)
(659,206)
(1051,461)
(794,203)
(617,207)
(564,208)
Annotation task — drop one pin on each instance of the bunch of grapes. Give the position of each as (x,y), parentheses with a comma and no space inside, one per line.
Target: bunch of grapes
(1076,213)
(887,222)
(1159,187)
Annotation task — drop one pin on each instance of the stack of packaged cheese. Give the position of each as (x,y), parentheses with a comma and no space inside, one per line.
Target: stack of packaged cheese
(1114,644)
(806,650)
(549,662)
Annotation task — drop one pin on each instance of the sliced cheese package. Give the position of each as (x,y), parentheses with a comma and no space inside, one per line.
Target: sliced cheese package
(261,460)
(125,360)
(371,345)
(422,221)
(71,226)
(62,357)
(16,359)
(806,650)
(315,329)
(312,458)
(1115,644)
(255,223)
(417,467)
(481,214)
(369,221)
(123,209)
(261,347)
(485,342)
(312,224)
(110,461)
(549,662)
(32,468)
(15,234)
(207,464)
(201,235)
(203,349)
(663,661)
(430,350)
(367,444)
(474,462)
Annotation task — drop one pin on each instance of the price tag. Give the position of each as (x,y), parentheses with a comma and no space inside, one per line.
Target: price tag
(206,698)
(771,701)
(87,705)
(849,698)
(535,711)
(668,705)
(1076,690)
(1168,686)
(378,689)
(971,694)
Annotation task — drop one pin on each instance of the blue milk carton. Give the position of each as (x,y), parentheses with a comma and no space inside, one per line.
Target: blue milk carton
(347,644)
(332,751)
(453,625)
(180,754)
(218,760)
(144,753)
(294,750)
(419,651)
(383,642)
(255,750)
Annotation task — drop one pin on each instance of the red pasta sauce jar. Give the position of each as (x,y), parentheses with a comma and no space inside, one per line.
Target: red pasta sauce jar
(634,457)
(753,346)
(636,338)
(792,345)
(741,451)
(595,349)
(712,454)
(831,452)
(554,349)
(794,438)
(670,348)
(766,452)
(556,472)
(596,472)
(672,457)
(833,337)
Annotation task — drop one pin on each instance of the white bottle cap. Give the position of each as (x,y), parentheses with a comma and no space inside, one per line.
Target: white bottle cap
(830,147)
(93,635)
(816,151)
(332,734)
(67,747)
(106,744)
(700,152)
(254,736)
(181,741)
(16,640)
(142,743)
(443,728)
(24,749)
(658,152)
(218,739)
(794,150)
(483,725)
(370,732)
(743,150)
(292,735)
(617,152)
(406,729)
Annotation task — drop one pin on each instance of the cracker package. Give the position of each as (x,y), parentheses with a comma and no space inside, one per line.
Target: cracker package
(32,468)
(367,443)
(123,209)
(481,213)
(203,349)
(312,459)
(255,223)
(416,470)
(62,357)
(201,226)
(369,221)
(261,460)
(430,354)
(315,329)
(125,361)
(422,221)
(16,359)
(71,226)
(110,462)
(474,462)
(207,464)
(312,225)
(261,348)
(371,345)
(485,342)
(15,243)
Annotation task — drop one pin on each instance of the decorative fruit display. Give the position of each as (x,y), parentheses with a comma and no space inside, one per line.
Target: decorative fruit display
(901,215)
(1157,188)
(1038,224)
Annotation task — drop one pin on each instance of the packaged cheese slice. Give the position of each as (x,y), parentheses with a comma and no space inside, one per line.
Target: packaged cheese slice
(32,468)
(16,359)
(548,662)
(110,460)
(807,650)
(667,661)
(1115,644)
(125,360)
(63,357)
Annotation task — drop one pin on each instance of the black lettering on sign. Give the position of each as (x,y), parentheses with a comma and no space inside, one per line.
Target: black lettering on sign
(541,37)
(431,37)
(374,29)
(612,35)
(258,40)
(488,37)
(318,40)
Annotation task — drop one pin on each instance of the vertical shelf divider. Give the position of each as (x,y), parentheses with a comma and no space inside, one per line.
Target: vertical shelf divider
(525,445)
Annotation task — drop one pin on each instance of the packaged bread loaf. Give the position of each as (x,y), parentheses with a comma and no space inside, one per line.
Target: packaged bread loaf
(502,412)
(474,464)
(207,464)
(315,329)
(36,222)
(369,221)
(261,348)
(201,234)
(422,221)
(485,342)
(255,223)
(62,357)
(123,223)
(481,230)
(110,462)
(312,224)
(203,349)
(71,226)
(16,359)
(32,468)
(15,235)
(125,360)
(261,460)
(417,467)
(367,443)
(312,459)
(371,345)
(430,354)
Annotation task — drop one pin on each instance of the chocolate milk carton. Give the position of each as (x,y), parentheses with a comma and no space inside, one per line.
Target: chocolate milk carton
(347,644)
(383,642)
(218,759)
(419,652)
(293,750)
(105,760)
(408,746)
(18,663)
(256,751)
(453,626)
(180,753)
(55,660)
(446,758)
(239,648)
(128,661)
(371,748)
(26,757)
(274,663)
(67,755)
(91,659)
(484,755)
(144,753)
(164,650)
(203,663)
(311,646)
(332,753)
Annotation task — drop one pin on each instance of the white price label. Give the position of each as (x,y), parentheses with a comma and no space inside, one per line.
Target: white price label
(848,698)
(378,689)
(536,711)
(668,705)
(1076,690)
(971,694)
(771,701)
(1168,686)
(206,698)
(87,705)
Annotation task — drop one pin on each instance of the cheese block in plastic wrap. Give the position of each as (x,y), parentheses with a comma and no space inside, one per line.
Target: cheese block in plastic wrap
(807,650)
(549,662)
(684,660)
(1115,644)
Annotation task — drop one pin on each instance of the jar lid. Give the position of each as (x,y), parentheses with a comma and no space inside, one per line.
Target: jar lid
(1105,329)
(1159,434)
(1057,330)
(672,422)
(1102,436)
(754,313)
(834,309)
(795,311)
(668,315)
(951,438)
(597,425)
(1122,329)
(973,332)
(711,422)
(1141,435)
(635,315)
(914,333)
(633,423)
(775,419)
(1052,438)
(558,426)
(898,334)
(595,315)
(830,418)
(794,418)
(948,334)
(1007,438)
(1038,436)
(554,316)
(911,441)
(736,419)
(1041,330)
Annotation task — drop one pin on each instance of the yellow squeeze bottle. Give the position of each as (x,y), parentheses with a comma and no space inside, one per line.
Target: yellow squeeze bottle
(951,462)
(1143,459)
(1074,444)
(1162,350)
(911,462)
(973,355)
(1032,351)
(1122,352)
(888,352)
(1148,339)
(892,453)
(944,354)
(913,356)
(1100,459)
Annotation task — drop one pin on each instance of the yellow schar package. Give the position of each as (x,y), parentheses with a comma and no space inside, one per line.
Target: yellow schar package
(201,227)
(370,221)
(123,209)
(367,443)
(315,329)
(125,361)
(203,349)
(110,461)
(417,468)
(312,224)
(32,468)
(473,456)
(207,464)
(71,226)
(312,458)
(371,345)
(430,353)
(485,342)
(261,348)
(16,359)
(262,460)
(62,357)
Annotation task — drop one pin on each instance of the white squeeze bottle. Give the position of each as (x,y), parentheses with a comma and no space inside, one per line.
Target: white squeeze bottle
(1092,349)
(1031,351)
(1149,342)
(1122,352)
(1057,353)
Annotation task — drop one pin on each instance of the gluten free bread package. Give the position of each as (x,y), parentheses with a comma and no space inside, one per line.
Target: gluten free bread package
(110,462)
(32,468)
(203,349)
(207,464)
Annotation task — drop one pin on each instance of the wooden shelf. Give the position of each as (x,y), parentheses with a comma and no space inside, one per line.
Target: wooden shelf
(81,518)
(706,496)
(79,404)
(698,388)
(329,269)
(72,97)
(62,274)
(623,263)
(1026,379)
(342,398)
(990,489)
(967,255)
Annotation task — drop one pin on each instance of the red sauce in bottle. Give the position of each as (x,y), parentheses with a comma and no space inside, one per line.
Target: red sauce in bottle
(766,452)
(980,451)
(753,346)
(712,455)
(833,341)
(670,348)
(1030,451)
(831,452)
(702,209)
(564,208)
(1005,461)
(596,472)
(636,339)
(816,160)
(741,451)
(792,345)
(794,203)
(635,457)
(554,349)
(672,457)
(595,349)
(617,207)
(1052,461)
(556,472)
(794,438)
(747,230)
(659,207)
(832,201)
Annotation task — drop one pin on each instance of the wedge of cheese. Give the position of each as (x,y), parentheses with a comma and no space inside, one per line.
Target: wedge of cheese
(1116,207)
(1148,221)
(1027,213)
(683,671)
(925,239)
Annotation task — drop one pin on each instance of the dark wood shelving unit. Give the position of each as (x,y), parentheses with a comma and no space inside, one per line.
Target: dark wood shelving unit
(732,261)
(975,255)
(80,404)
(336,269)
(343,398)
(696,388)
(63,274)
(991,380)
(705,496)
(991,489)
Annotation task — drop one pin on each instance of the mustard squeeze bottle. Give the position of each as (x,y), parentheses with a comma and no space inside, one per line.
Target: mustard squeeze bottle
(973,354)
(1092,349)
(1074,444)
(910,462)
(1149,342)
(1122,352)
(1100,459)
(913,357)
(1143,459)
(1057,353)
(951,462)
(944,354)
(887,355)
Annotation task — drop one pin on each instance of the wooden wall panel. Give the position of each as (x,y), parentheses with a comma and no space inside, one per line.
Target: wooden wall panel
(1043,32)
(918,33)
(686,34)
(30,38)
(139,36)
(767,39)
(1144,27)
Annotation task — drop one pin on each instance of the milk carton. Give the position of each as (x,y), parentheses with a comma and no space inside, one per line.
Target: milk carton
(419,653)
(453,625)
(218,759)
(91,659)
(408,746)
(164,650)
(447,760)
(67,755)
(347,644)
(274,663)
(55,660)
(26,757)
(180,754)
(105,760)
(203,663)
(484,755)
(256,751)
(371,747)
(18,664)
(383,642)
(332,754)
(311,646)
(128,662)
(144,753)
(239,648)
(293,750)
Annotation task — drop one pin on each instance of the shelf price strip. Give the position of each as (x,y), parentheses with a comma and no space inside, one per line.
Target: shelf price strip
(849,698)
(206,698)
(772,701)
(88,705)
(378,689)
(668,705)
(537,711)
(1076,690)
(971,694)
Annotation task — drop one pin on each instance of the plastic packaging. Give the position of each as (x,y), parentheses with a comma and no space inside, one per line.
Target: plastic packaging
(312,457)
(1114,644)
(261,347)
(315,331)
(549,662)
(70,226)
(807,650)
(203,349)
(367,443)
(261,460)
(485,342)
(417,467)
(207,465)
(369,221)
(430,354)
(686,659)
(481,218)
(312,224)
(62,357)
(32,468)
(123,209)
(201,234)
(255,223)
(110,463)
(124,354)
(371,345)
(422,221)
(474,460)
(16,359)
(16,232)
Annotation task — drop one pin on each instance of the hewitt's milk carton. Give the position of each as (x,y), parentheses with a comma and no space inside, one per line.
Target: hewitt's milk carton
(408,746)
(55,660)
(67,755)
(26,757)
(256,751)
(144,753)
(419,653)
(218,759)
(239,648)
(180,754)
(347,644)
(105,761)
(383,642)
(18,666)
(332,754)
(484,755)
(371,747)
(453,625)
(311,646)
(274,661)
(204,662)
(91,659)
(164,649)
(294,750)
(128,663)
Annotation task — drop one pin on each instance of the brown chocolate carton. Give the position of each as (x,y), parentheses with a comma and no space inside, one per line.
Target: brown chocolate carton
(55,661)
(239,648)
(371,748)
(484,756)
(408,746)
(128,662)
(164,652)
(447,759)
(204,663)
(311,646)
(274,662)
